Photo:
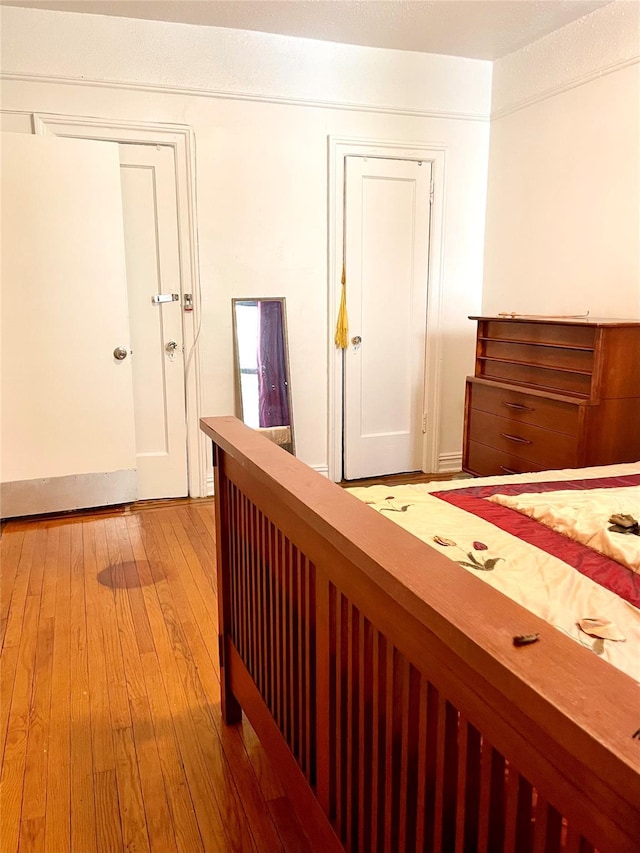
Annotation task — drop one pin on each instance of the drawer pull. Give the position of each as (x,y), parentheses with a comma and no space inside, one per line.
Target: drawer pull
(507,470)
(515,438)
(518,406)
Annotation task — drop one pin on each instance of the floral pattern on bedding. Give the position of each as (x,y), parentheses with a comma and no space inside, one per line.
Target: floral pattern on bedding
(475,561)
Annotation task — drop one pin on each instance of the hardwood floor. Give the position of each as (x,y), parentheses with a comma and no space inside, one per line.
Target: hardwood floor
(111,737)
(400,479)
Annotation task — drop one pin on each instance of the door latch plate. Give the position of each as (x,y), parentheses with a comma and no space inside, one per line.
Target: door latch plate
(157,298)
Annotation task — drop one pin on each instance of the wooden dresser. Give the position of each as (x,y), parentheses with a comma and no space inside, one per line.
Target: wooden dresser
(552,394)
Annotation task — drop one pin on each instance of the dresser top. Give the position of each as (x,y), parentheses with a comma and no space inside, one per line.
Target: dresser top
(574,321)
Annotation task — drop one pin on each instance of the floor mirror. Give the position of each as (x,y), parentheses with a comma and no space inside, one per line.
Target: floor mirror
(263,386)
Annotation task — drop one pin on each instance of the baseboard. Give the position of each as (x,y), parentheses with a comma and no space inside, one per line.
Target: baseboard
(449,463)
(321,469)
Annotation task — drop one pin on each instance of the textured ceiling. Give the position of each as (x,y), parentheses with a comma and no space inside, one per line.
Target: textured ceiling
(479,29)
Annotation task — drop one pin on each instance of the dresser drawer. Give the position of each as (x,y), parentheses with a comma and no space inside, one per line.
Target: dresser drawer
(533,376)
(520,407)
(556,358)
(544,447)
(484,461)
(550,334)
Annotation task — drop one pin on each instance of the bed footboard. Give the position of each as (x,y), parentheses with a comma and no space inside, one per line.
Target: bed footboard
(384,684)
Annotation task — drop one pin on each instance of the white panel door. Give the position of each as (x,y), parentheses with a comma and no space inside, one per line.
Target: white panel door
(387,249)
(67,403)
(153,267)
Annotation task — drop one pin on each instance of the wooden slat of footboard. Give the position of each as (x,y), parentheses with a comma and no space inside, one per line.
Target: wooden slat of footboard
(243,582)
(468,786)
(226,518)
(288,664)
(302,797)
(265,607)
(301,617)
(518,837)
(377,681)
(576,843)
(404,711)
(386,728)
(322,760)
(277,627)
(287,668)
(471,790)
(412,755)
(309,696)
(257,609)
(337,711)
(422,767)
(547,828)
(366,733)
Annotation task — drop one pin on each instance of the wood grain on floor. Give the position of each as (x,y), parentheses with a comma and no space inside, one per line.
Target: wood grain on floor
(111,737)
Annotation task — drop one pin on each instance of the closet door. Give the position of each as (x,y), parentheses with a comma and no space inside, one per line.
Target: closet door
(387,215)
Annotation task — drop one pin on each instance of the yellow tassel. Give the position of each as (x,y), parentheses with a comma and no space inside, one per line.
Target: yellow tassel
(342,326)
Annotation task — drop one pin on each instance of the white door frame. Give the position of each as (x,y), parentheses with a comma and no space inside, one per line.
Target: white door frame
(339,148)
(182,140)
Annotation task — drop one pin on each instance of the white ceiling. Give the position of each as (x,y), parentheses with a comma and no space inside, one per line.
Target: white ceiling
(479,29)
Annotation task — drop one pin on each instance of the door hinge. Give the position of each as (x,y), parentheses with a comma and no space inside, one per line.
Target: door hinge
(424,422)
(431,192)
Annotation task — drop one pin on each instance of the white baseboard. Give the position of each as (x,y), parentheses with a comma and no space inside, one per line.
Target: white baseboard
(449,463)
(210,488)
(321,469)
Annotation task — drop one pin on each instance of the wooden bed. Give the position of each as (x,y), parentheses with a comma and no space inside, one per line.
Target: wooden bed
(383,681)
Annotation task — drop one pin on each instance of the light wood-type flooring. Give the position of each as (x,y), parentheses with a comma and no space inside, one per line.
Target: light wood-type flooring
(111,737)
(411,478)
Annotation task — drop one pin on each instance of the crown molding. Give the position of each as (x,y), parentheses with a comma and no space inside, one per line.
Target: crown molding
(218,94)
(596,74)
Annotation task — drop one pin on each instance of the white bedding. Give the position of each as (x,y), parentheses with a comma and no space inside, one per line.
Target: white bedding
(541,582)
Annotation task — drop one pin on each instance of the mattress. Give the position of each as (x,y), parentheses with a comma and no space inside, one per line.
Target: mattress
(543,540)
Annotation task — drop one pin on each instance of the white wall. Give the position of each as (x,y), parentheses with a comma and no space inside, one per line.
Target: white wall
(563,207)
(262,108)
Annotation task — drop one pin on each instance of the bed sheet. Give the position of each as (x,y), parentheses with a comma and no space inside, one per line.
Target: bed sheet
(562,581)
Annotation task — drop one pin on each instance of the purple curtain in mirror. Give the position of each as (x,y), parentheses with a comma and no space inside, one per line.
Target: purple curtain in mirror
(272,367)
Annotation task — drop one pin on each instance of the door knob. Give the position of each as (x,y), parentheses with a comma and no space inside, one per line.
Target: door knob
(171,347)
(357,340)
(120,353)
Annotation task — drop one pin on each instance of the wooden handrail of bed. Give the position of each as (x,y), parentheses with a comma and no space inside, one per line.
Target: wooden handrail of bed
(383,681)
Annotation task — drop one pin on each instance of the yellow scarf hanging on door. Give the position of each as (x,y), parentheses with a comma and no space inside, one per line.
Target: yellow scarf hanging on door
(342,326)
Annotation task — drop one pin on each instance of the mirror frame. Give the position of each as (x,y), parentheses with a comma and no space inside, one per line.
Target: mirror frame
(285,335)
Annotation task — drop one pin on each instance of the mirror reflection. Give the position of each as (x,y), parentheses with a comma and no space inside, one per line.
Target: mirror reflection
(262,368)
